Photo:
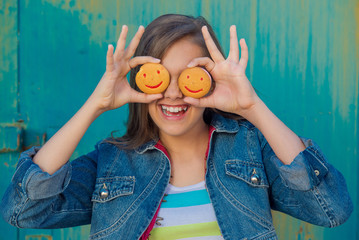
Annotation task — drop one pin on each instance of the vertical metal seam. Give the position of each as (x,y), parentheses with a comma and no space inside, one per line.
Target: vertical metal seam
(18,60)
(18,79)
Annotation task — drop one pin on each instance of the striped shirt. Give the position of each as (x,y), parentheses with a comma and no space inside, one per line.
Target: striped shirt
(186,213)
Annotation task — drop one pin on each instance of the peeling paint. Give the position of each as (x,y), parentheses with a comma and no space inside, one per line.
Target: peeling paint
(38,237)
(304,57)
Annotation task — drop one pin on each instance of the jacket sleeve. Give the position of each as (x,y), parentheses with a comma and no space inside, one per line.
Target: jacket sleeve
(309,188)
(36,199)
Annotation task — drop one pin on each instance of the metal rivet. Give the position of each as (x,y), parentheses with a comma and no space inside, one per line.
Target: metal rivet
(255,178)
(104,192)
(19,184)
(316,172)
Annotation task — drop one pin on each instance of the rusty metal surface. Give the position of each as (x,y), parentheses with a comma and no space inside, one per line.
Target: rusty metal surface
(304,62)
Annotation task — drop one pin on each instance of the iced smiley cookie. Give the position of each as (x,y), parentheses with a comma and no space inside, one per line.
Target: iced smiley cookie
(152,78)
(195,82)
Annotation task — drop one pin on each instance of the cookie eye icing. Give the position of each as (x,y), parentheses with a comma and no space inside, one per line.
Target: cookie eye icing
(158,72)
(201,79)
(187,76)
(144,75)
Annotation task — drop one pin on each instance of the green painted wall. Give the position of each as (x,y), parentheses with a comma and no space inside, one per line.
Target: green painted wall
(304,62)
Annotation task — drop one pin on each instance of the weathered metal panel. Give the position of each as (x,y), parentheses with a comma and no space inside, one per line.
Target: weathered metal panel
(8,60)
(304,62)
(10,138)
(8,100)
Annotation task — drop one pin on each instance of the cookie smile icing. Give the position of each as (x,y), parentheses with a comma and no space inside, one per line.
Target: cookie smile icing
(193,91)
(156,86)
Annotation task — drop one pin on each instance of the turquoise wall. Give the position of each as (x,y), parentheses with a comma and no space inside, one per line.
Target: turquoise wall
(304,63)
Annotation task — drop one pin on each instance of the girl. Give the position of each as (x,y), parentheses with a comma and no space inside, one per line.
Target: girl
(208,168)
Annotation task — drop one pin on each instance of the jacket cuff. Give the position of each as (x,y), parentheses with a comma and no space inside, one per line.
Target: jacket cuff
(307,169)
(36,184)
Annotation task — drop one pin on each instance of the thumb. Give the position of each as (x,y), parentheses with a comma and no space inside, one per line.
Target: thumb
(145,98)
(199,102)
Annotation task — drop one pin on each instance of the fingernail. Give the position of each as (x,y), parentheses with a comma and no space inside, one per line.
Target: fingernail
(190,64)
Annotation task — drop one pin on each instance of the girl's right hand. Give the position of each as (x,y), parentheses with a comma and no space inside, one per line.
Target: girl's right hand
(113,90)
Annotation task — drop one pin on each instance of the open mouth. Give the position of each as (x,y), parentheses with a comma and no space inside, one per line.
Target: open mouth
(172,111)
(156,86)
(193,91)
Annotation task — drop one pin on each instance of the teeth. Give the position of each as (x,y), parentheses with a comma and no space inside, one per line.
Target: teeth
(173,109)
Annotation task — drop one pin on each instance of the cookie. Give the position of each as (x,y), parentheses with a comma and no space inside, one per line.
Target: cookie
(194,82)
(152,78)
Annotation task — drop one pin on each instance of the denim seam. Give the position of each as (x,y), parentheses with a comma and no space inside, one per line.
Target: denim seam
(131,180)
(325,207)
(19,166)
(152,215)
(313,152)
(264,236)
(132,208)
(69,211)
(246,163)
(231,199)
(262,185)
(113,163)
(276,199)
(18,211)
(27,178)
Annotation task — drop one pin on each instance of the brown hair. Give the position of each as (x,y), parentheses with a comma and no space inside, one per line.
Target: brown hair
(159,35)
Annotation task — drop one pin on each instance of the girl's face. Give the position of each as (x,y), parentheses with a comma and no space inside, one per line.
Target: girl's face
(171,114)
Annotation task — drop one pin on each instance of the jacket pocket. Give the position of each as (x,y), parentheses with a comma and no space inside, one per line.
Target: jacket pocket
(250,172)
(110,188)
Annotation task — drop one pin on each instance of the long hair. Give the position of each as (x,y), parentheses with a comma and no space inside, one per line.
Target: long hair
(158,37)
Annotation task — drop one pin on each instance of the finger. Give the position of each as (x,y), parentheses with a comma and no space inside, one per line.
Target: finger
(244,54)
(203,61)
(199,102)
(138,97)
(109,59)
(134,62)
(211,46)
(233,44)
(134,43)
(121,43)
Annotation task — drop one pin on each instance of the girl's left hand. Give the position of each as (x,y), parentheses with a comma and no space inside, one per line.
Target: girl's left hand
(233,92)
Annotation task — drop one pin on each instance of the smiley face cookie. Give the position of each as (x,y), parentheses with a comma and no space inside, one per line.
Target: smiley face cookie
(194,82)
(152,78)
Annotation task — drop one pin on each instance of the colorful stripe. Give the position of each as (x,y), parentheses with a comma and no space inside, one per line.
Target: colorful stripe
(186,199)
(186,231)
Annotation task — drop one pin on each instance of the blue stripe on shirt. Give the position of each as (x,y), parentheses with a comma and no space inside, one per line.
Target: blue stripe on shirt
(186,199)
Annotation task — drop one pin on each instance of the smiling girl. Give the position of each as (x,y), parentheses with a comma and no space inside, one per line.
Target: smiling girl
(208,168)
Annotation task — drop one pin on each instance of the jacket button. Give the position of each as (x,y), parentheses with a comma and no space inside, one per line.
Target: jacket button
(255,178)
(104,193)
(316,172)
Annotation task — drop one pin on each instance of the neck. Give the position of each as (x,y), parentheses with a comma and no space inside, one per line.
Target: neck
(187,147)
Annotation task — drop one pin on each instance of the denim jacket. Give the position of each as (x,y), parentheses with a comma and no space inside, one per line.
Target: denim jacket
(119,191)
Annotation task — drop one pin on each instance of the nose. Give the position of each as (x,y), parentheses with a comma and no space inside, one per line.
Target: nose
(173,92)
